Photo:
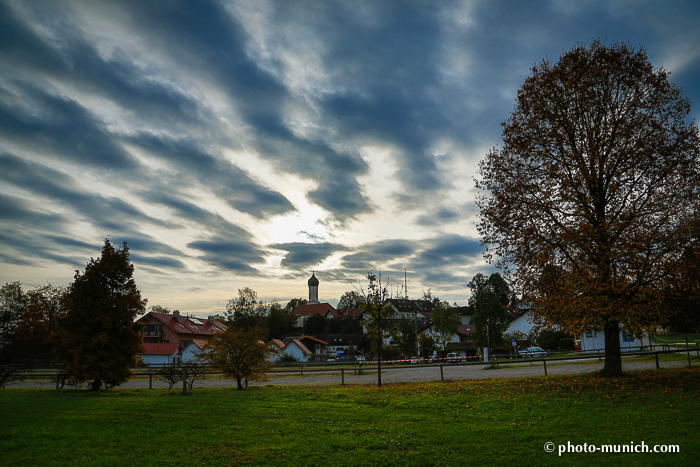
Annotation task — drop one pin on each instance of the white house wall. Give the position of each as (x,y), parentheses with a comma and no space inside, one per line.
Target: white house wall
(189,353)
(292,349)
(594,341)
(521,324)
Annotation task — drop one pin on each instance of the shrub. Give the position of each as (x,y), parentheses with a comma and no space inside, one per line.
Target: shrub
(288,358)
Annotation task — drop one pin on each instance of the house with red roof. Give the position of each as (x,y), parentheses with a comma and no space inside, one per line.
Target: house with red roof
(163,328)
(161,353)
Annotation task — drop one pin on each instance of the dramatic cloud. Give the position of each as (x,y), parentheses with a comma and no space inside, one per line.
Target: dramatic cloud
(243,143)
(303,255)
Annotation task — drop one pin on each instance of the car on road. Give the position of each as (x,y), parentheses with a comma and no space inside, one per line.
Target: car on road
(532,352)
(454,358)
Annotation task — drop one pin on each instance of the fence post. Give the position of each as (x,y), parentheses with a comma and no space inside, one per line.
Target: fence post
(442,376)
(184,379)
(342,376)
(58,376)
(150,380)
(545,367)
(656,356)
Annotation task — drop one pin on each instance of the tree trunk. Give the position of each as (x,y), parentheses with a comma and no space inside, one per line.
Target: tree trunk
(613,355)
(379,362)
(239,381)
(95,385)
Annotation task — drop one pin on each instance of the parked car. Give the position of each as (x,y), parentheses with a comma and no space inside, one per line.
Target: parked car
(454,358)
(533,352)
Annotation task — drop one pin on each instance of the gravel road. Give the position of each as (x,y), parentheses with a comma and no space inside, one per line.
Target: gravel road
(391,374)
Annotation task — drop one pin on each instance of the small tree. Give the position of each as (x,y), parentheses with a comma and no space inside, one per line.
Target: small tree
(170,374)
(240,354)
(160,309)
(378,315)
(490,320)
(194,370)
(427,345)
(36,332)
(495,283)
(246,311)
(13,302)
(100,341)
(445,324)
(352,299)
(406,337)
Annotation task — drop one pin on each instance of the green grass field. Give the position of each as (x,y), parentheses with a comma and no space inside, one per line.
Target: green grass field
(498,422)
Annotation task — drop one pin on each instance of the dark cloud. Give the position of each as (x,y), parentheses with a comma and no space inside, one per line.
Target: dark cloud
(202,36)
(377,255)
(389,61)
(30,247)
(17,211)
(159,262)
(305,255)
(190,213)
(58,127)
(229,182)
(110,214)
(450,250)
(440,217)
(232,255)
(340,196)
(74,59)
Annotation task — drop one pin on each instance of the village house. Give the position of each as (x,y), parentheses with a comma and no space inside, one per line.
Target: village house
(163,328)
(161,353)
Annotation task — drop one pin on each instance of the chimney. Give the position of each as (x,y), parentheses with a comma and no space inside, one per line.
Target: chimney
(210,318)
(176,314)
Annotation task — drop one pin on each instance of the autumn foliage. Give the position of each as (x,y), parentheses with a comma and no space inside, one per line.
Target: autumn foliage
(584,202)
(100,341)
(240,354)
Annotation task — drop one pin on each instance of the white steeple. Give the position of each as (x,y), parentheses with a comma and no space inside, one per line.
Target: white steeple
(313,288)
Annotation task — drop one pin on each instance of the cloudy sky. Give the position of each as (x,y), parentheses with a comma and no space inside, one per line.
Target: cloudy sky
(248,143)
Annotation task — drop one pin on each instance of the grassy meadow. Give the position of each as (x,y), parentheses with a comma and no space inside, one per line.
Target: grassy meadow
(488,422)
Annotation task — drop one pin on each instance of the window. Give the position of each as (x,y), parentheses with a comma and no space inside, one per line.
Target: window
(625,338)
(590,334)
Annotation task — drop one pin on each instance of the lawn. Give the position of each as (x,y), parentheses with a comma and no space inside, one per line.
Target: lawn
(493,422)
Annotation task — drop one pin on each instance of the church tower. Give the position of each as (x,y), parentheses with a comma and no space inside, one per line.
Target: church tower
(313,289)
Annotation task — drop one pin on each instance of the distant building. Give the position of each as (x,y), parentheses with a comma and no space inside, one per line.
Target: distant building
(594,341)
(163,328)
(313,306)
(313,289)
(161,353)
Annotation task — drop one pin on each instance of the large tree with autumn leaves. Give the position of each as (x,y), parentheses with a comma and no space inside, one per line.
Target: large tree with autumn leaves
(583,204)
(99,338)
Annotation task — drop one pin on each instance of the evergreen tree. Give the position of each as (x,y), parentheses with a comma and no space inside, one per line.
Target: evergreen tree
(100,341)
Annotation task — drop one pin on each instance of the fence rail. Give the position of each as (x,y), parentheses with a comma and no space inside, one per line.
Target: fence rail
(336,367)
